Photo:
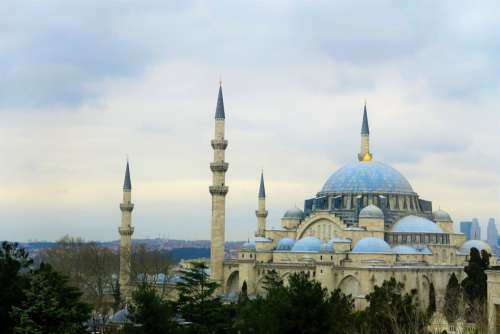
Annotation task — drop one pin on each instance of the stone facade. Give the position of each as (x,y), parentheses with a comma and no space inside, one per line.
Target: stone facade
(493,301)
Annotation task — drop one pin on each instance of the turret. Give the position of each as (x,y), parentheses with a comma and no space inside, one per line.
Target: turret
(126,230)
(261,211)
(364,154)
(218,190)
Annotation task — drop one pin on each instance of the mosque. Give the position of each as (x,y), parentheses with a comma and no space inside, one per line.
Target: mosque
(365,225)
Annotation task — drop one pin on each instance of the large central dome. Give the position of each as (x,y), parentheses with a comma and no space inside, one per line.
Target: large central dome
(367,177)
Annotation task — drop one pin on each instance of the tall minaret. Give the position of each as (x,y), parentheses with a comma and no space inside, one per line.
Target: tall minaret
(261,212)
(364,154)
(218,189)
(126,230)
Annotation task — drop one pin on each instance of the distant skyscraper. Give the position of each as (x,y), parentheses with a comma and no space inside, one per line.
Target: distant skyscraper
(465,228)
(492,236)
(475,231)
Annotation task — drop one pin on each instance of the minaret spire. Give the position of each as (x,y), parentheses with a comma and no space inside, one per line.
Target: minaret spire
(364,154)
(261,211)
(126,230)
(218,190)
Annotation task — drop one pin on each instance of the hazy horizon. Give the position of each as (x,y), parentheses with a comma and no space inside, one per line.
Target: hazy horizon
(86,84)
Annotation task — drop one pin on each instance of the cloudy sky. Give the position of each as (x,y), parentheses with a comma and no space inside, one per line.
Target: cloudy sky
(85,84)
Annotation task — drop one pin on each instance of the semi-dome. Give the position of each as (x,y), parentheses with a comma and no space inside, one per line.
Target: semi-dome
(250,245)
(307,244)
(371,245)
(415,224)
(367,177)
(294,213)
(285,244)
(404,249)
(328,246)
(371,211)
(441,215)
(478,244)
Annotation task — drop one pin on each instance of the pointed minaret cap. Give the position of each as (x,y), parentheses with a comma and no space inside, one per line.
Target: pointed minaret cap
(219,111)
(365,130)
(127,185)
(262,189)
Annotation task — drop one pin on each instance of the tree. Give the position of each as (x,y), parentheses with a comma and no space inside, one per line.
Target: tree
(198,304)
(149,313)
(432,300)
(452,300)
(14,278)
(243,297)
(475,287)
(51,306)
(393,311)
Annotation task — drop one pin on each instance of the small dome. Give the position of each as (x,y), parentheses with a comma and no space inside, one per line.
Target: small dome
(371,211)
(328,246)
(441,215)
(371,245)
(262,239)
(294,213)
(415,224)
(285,244)
(478,244)
(307,244)
(404,249)
(248,246)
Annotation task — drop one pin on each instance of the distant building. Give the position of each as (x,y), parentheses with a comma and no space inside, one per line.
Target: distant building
(465,228)
(475,231)
(492,237)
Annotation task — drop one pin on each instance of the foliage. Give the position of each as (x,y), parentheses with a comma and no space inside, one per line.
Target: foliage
(149,313)
(14,270)
(393,311)
(475,287)
(198,303)
(50,306)
(452,299)
(301,307)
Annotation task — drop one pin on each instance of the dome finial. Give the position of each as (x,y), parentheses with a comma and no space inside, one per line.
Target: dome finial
(364,154)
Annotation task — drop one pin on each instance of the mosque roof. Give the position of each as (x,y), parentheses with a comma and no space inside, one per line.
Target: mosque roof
(285,244)
(371,245)
(367,177)
(415,224)
(404,249)
(250,245)
(307,244)
(294,213)
(441,215)
(371,211)
(478,244)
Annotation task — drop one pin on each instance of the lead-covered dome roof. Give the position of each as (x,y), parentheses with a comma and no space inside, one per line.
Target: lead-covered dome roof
(371,245)
(478,244)
(367,177)
(307,244)
(371,211)
(294,213)
(415,224)
(285,244)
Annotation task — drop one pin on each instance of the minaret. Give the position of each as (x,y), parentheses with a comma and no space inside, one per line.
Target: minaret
(126,230)
(364,154)
(218,189)
(261,212)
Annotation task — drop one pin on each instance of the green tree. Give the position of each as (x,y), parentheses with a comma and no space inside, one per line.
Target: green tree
(149,313)
(432,300)
(198,303)
(14,278)
(51,306)
(452,299)
(391,310)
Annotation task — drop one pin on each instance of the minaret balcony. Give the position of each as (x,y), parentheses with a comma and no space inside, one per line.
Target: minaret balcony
(219,166)
(127,206)
(219,144)
(261,214)
(126,231)
(218,190)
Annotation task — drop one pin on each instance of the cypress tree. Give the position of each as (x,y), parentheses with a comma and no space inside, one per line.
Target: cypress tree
(452,299)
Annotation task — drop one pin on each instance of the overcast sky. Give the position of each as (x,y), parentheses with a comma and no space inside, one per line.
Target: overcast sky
(85,84)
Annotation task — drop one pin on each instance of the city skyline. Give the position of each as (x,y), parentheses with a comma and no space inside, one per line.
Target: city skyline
(73,112)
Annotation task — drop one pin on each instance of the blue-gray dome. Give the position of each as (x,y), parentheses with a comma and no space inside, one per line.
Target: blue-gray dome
(441,215)
(248,246)
(294,213)
(367,177)
(371,211)
(478,244)
(404,249)
(328,246)
(285,244)
(307,244)
(415,224)
(371,245)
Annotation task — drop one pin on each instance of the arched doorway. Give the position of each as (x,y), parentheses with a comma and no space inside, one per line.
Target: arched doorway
(233,282)
(350,286)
